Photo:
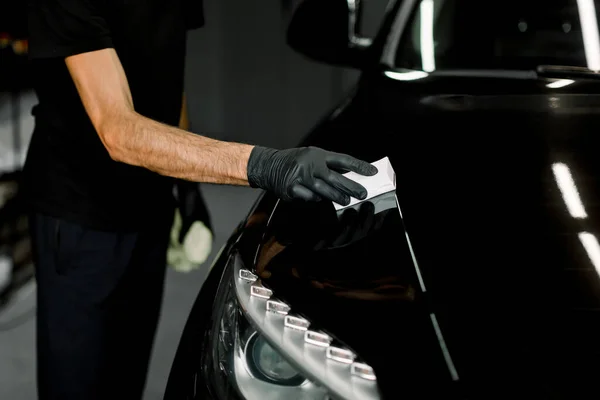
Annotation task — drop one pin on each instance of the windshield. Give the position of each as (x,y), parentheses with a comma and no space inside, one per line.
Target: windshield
(493,34)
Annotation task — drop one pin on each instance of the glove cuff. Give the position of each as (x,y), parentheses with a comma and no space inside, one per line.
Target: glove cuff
(258,163)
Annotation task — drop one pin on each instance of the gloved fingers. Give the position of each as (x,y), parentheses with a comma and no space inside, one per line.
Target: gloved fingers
(344,162)
(328,192)
(303,193)
(346,185)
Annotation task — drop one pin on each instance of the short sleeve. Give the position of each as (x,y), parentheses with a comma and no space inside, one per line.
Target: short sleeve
(193,13)
(63,28)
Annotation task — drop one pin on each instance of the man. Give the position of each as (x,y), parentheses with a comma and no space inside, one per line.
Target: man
(109,78)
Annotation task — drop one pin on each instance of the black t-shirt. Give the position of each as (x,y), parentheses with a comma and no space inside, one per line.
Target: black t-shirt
(68,172)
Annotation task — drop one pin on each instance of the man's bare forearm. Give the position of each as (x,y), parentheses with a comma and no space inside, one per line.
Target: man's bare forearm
(134,139)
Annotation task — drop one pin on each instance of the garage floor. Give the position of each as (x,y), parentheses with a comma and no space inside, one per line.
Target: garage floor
(228,205)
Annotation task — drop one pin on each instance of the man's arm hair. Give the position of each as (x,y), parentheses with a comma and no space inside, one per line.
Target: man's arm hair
(134,139)
(184,185)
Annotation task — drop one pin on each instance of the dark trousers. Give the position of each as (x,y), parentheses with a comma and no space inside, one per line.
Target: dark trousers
(99,300)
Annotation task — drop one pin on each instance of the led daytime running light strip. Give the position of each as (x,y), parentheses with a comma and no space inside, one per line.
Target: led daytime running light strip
(315,338)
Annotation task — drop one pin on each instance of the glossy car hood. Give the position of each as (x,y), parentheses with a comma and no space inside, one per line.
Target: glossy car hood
(498,192)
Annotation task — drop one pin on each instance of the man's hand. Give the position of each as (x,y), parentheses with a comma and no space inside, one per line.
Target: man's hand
(307,173)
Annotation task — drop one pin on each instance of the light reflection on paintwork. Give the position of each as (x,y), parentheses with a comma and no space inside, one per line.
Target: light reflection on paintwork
(434,322)
(568,190)
(344,228)
(570,194)
(590,243)
(559,83)
(406,76)
(589,31)
(427,43)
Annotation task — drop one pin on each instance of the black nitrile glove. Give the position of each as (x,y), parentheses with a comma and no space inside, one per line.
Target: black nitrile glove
(307,173)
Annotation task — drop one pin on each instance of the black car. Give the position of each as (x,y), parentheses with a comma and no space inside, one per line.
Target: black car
(478,277)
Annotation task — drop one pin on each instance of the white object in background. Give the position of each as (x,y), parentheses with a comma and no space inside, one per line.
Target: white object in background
(5,271)
(382,182)
(198,243)
(195,249)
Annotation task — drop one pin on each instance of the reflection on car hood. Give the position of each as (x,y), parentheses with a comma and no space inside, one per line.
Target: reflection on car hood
(498,193)
(351,273)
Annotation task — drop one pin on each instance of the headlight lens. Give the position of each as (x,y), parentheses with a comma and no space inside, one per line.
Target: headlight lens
(268,365)
(241,361)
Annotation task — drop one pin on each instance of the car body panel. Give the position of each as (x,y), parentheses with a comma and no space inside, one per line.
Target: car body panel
(508,271)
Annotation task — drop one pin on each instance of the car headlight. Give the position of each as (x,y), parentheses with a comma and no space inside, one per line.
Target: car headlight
(258,349)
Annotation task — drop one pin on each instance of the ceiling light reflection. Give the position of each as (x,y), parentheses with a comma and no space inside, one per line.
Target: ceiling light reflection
(590,243)
(559,83)
(589,31)
(406,76)
(569,191)
(427,44)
